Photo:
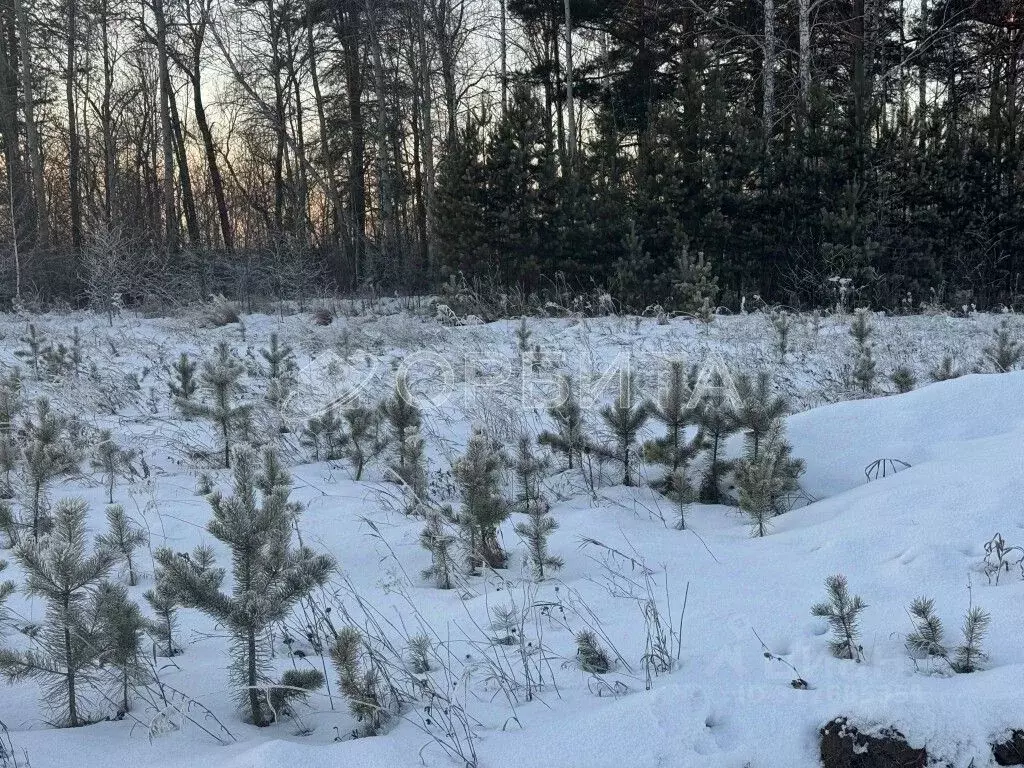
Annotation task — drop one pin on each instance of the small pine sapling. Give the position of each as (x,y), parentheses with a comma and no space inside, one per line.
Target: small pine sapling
(165,617)
(10,458)
(758,411)
(523,347)
(220,378)
(10,402)
(715,416)
(969,656)
(437,538)
(294,687)
(111,461)
(36,345)
(928,637)
(183,386)
(49,453)
(280,370)
(694,284)
(484,508)
(527,468)
(843,613)
(782,324)
(269,575)
(419,653)
(945,370)
(363,441)
(903,379)
(10,526)
(764,480)
(864,363)
(624,419)
(535,532)
(1004,352)
(674,408)
(359,681)
(123,537)
(591,657)
(412,472)
(121,628)
(324,435)
(60,571)
(568,438)
(400,412)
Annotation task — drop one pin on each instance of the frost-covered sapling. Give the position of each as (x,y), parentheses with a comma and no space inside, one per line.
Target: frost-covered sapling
(412,471)
(10,526)
(928,637)
(363,440)
(121,629)
(59,569)
(10,456)
(676,409)
(359,681)
(903,379)
(49,453)
(843,613)
(269,575)
(864,363)
(969,656)
(624,419)
(419,654)
(111,461)
(401,413)
(280,370)
(294,686)
(220,379)
(530,500)
(782,324)
(590,655)
(715,416)
(183,385)
(165,609)
(1004,352)
(122,539)
(36,344)
(567,439)
(527,468)
(484,507)
(324,435)
(758,411)
(437,538)
(945,370)
(765,479)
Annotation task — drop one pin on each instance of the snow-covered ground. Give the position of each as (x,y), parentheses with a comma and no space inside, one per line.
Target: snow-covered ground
(918,532)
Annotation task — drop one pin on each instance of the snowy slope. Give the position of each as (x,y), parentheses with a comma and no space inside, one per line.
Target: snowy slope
(919,532)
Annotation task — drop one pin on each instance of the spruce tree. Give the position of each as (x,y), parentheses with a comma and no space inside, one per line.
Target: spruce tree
(401,413)
(843,612)
(59,569)
(484,508)
(183,386)
(624,419)
(758,411)
(568,438)
(121,627)
(715,416)
(437,539)
(220,378)
(269,575)
(122,538)
(674,408)
(111,461)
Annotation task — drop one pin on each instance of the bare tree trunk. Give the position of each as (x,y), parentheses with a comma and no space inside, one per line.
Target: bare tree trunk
(804,16)
(326,152)
(35,151)
(349,34)
(770,45)
(167,137)
(504,56)
(570,140)
(74,150)
(426,120)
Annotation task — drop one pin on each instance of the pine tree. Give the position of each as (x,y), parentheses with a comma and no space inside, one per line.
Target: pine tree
(864,363)
(10,458)
(121,627)
(944,371)
(528,468)
(765,478)
(60,570)
(782,323)
(269,576)
(324,435)
(360,683)
(842,612)
(401,413)
(184,385)
(165,608)
(568,438)
(591,656)
(535,532)
(111,461)
(1004,353)
(10,402)
(220,378)
(438,540)
(123,537)
(49,453)
(6,590)
(10,526)
(758,411)
(715,416)
(694,285)
(36,345)
(484,509)
(969,656)
(624,418)
(903,379)
(363,441)
(280,371)
(674,408)
(412,471)
(927,639)
(295,685)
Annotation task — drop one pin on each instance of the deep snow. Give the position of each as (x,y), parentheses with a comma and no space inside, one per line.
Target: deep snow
(919,532)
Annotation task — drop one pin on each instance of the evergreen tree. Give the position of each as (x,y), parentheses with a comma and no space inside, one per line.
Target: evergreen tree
(401,414)
(927,639)
(6,590)
(843,613)
(165,609)
(280,370)
(568,438)
(363,441)
(438,540)
(765,478)
(592,657)
(944,371)
(49,453)
(528,468)
(484,508)
(121,627)
(412,471)
(111,461)
(1004,352)
(60,571)
(36,344)
(535,532)
(324,435)
(969,656)
(758,411)
(903,379)
(10,457)
(624,419)
(295,685)
(10,402)
(269,575)
(123,537)
(359,682)
(184,385)
(220,378)
(715,416)
(674,408)
(694,285)
(864,363)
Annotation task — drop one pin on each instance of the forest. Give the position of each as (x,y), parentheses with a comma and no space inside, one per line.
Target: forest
(647,150)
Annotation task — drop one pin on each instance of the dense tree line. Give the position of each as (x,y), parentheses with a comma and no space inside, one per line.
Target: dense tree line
(275,146)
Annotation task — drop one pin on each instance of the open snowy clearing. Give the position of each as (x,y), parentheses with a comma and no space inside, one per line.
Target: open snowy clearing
(919,532)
